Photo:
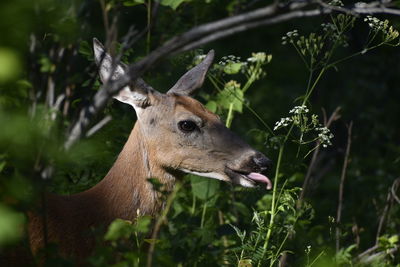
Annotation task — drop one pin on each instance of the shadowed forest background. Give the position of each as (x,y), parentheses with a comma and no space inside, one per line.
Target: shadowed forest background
(347,211)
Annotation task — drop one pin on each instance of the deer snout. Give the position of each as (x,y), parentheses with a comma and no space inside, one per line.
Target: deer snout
(262,162)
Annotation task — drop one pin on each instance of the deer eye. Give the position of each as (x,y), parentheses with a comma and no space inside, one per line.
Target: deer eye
(187,126)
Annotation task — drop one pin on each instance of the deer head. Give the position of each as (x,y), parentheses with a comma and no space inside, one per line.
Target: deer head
(180,133)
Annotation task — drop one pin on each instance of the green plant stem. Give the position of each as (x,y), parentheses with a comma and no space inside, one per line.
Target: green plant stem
(273,204)
(203,215)
(193,204)
(212,79)
(309,92)
(252,78)
(316,258)
(230,116)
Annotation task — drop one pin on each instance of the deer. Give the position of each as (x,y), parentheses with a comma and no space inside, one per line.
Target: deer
(174,135)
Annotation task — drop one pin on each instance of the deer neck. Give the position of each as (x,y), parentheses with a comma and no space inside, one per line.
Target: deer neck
(126,192)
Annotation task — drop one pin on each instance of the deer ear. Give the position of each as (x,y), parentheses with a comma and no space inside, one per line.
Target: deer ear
(194,78)
(135,95)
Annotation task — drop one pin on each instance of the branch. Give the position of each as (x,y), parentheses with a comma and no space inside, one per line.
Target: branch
(391,197)
(99,125)
(204,34)
(341,187)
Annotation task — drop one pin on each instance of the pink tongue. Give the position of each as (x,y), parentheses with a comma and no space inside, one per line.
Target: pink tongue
(260,178)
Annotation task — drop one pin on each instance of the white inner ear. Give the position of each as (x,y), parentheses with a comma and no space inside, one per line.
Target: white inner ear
(133,98)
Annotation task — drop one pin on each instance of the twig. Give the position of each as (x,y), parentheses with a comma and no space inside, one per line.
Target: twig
(341,187)
(334,116)
(366,258)
(201,35)
(391,196)
(99,125)
(395,186)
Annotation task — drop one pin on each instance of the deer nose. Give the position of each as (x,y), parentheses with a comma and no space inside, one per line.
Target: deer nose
(262,161)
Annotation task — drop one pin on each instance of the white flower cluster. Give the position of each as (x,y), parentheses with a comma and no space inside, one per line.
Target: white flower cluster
(299,110)
(289,37)
(324,136)
(283,122)
(229,59)
(377,25)
(328,27)
(306,122)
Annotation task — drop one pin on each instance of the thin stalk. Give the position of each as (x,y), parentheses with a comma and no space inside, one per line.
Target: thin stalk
(193,205)
(353,55)
(308,94)
(341,186)
(273,204)
(301,56)
(230,116)
(203,215)
(316,258)
(252,78)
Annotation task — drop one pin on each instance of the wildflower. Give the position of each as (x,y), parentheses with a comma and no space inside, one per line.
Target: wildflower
(324,136)
(328,27)
(299,110)
(283,122)
(289,36)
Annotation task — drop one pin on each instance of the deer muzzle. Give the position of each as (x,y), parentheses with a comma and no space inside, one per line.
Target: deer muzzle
(249,171)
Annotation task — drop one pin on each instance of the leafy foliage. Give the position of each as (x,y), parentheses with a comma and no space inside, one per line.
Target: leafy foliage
(347,61)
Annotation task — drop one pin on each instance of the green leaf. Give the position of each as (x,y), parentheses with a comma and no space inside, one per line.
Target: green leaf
(86,50)
(10,65)
(11,225)
(231,94)
(142,224)
(172,3)
(118,229)
(393,239)
(152,241)
(2,165)
(242,208)
(233,67)
(133,2)
(204,188)
(211,106)
(46,65)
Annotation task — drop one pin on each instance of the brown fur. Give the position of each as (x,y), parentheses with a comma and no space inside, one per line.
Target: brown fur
(120,194)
